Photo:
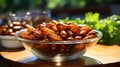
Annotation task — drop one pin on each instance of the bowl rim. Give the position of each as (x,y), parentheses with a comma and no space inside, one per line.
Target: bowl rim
(6,37)
(99,36)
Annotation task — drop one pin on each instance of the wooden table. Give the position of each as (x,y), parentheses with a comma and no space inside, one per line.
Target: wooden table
(105,54)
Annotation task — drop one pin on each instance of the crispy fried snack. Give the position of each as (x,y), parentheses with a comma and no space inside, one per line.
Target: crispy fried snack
(55,31)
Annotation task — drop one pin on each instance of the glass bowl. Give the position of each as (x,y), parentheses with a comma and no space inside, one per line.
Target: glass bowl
(10,42)
(58,51)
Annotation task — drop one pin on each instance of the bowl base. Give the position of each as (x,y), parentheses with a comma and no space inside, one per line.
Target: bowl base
(81,61)
(58,57)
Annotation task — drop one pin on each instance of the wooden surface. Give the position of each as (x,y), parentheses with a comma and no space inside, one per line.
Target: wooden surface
(105,54)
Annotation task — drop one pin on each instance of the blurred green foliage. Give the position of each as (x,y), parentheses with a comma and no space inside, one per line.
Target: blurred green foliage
(109,26)
(14,5)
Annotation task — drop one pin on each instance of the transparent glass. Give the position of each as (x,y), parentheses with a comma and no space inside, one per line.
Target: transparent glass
(40,16)
(22,17)
(58,51)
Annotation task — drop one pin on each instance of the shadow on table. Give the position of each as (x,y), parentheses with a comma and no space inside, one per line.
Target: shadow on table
(11,49)
(84,60)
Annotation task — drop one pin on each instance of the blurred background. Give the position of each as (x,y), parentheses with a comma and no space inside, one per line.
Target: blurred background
(106,10)
(71,8)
